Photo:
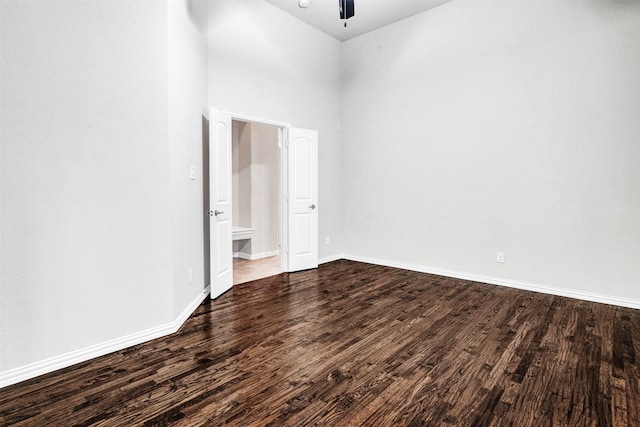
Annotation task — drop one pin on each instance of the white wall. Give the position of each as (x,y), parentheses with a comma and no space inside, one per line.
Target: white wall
(265,175)
(86,219)
(241,173)
(187,65)
(499,126)
(265,63)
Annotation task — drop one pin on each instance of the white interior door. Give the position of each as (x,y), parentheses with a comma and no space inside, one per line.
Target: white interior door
(220,202)
(302,218)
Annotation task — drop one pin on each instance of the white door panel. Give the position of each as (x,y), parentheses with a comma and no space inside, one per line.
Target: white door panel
(221,153)
(221,248)
(302,175)
(303,244)
(220,200)
(303,199)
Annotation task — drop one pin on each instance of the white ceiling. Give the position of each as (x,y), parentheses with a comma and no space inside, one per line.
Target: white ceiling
(369,14)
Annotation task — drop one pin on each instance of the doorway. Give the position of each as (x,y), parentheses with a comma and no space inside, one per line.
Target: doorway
(298,197)
(256,201)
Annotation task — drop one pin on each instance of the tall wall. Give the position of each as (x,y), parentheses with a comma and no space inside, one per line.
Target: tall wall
(479,127)
(86,243)
(265,63)
(187,77)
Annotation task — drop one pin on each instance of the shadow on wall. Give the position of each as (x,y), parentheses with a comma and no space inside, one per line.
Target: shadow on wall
(205,198)
(197,11)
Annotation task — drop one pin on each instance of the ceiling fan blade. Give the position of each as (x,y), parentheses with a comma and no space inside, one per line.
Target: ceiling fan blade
(347,9)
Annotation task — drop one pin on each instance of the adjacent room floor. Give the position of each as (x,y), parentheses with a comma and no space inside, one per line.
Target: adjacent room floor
(246,271)
(353,344)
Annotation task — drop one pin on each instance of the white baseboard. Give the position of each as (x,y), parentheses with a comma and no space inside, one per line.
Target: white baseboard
(553,290)
(331,258)
(35,369)
(253,257)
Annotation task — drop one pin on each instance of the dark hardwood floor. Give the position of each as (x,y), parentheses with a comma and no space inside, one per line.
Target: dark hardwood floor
(354,344)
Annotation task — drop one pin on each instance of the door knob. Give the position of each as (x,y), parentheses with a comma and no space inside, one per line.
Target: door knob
(312,207)
(217,212)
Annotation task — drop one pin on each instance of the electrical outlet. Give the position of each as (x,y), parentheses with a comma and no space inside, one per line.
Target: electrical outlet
(500,257)
(327,240)
(192,172)
(190,276)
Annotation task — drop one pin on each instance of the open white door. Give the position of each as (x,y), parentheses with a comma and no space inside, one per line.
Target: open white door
(220,202)
(302,189)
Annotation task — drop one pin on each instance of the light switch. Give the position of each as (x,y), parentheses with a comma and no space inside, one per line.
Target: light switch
(192,172)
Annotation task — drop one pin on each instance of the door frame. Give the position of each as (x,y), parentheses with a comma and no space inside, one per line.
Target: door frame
(283,140)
